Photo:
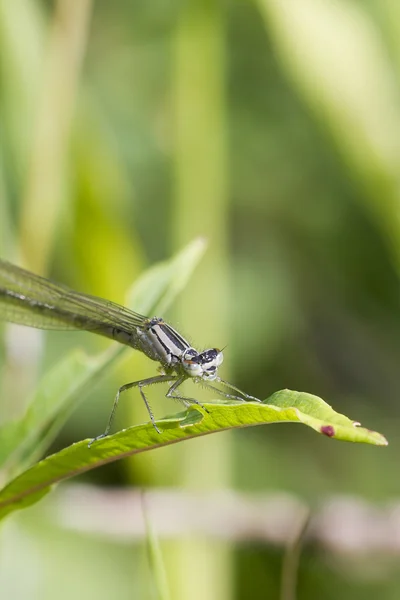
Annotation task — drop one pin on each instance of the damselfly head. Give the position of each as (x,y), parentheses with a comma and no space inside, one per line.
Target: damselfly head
(204,364)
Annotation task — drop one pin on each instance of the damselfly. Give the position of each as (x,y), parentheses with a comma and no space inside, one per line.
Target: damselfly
(34,301)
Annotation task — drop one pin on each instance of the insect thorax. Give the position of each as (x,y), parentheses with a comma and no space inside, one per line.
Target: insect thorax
(160,342)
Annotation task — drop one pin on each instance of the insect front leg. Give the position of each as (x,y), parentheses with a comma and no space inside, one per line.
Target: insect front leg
(244,397)
(185,399)
(140,384)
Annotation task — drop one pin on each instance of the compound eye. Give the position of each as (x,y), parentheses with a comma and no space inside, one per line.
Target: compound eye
(219,358)
(193,368)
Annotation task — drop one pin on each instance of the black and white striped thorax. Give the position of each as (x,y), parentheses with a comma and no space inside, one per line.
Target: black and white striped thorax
(161,342)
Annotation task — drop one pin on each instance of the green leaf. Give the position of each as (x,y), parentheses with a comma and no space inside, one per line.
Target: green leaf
(64,386)
(54,392)
(158,287)
(283,406)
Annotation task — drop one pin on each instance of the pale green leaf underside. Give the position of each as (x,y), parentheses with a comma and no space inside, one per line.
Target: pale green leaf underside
(283,406)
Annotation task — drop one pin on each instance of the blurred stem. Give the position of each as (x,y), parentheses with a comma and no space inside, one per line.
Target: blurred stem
(21,53)
(42,199)
(156,561)
(43,187)
(6,238)
(291,559)
(200,208)
(390,14)
(6,228)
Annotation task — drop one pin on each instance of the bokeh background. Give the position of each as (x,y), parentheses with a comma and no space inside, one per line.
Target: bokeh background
(273,130)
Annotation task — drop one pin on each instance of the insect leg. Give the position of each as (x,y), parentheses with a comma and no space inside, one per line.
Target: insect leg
(244,396)
(220,392)
(185,399)
(140,384)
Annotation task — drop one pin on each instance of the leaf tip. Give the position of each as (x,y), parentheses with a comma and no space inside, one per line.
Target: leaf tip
(377,438)
(381,441)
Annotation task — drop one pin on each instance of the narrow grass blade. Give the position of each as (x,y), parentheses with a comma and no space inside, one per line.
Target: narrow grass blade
(157,567)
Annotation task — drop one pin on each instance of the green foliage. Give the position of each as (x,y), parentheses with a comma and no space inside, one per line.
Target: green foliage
(64,387)
(50,404)
(283,406)
(282,149)
(60,390)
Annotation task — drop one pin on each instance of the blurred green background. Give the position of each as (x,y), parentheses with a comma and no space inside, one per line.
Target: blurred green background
(273,130)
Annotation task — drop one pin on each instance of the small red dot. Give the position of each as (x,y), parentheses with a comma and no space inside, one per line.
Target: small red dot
(328,430)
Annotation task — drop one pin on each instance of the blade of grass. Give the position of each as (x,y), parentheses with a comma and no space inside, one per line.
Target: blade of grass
(201,205)
(156,561)
(64,58)
(350,88)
